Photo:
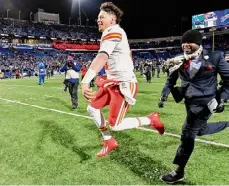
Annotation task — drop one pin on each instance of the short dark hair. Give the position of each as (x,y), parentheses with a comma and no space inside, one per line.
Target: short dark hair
(111,8)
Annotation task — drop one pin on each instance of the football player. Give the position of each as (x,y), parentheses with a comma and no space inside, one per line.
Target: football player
(121,87)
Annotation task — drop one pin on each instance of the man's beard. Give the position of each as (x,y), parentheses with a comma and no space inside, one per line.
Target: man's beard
(193,54)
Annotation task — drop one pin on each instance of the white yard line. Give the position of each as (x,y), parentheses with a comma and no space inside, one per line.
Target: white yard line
(49,96)
(178,136)
(83,116)
(44,108)
(32,98)
(31,86)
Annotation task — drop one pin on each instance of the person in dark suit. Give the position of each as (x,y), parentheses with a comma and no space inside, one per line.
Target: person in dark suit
(164,94)
(197,69)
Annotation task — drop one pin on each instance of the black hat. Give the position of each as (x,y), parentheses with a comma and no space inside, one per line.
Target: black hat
(192,36)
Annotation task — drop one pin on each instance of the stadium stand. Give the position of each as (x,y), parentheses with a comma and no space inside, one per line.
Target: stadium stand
(23,43)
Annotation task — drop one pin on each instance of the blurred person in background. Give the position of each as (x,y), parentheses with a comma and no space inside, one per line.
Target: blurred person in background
(72,70)
(41,73)
(101,77)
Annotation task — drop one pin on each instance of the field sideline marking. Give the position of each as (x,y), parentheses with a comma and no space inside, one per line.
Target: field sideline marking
(32,86)
(83,116)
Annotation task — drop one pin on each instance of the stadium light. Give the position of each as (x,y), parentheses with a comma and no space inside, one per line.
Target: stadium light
(7,13)
(79,12)
(19,15)
(74,2)
(30,16)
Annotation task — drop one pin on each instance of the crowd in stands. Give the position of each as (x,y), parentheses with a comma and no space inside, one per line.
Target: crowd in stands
(155,44)
(27,28)
(24,56)
(26,60)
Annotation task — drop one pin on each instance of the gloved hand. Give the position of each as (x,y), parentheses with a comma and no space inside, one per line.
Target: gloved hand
(162,99)
(220,107)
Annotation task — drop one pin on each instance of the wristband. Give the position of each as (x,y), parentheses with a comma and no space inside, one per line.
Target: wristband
(88,77)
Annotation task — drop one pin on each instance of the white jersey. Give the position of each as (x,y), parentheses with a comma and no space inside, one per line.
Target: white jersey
(115,44)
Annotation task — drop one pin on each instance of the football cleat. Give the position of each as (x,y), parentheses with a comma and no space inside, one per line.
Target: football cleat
(156,122)
(108,146)
(172,178)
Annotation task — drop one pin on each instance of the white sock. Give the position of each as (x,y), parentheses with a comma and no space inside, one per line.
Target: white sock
(130,123)
(99,121)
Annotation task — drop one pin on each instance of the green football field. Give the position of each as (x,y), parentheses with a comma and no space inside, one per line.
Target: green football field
(43,141)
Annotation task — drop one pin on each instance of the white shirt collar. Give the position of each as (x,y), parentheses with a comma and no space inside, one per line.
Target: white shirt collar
(116,25)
